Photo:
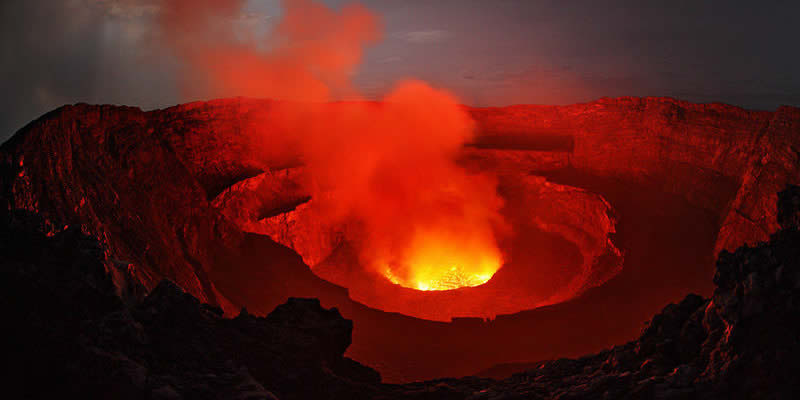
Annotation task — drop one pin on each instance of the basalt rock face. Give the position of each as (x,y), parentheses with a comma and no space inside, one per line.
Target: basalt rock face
(103,169)
(141,183)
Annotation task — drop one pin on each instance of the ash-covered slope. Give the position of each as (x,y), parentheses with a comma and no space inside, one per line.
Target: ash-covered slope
(70,333)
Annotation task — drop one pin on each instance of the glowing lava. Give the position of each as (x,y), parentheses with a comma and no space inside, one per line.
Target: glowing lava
(452,278)
(446,263)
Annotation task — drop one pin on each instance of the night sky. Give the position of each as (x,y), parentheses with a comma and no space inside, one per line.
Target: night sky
(487,52)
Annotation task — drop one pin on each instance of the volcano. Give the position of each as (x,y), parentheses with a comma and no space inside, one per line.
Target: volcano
(613,208)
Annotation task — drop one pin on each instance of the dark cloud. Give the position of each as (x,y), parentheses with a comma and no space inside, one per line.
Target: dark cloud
(422,37)
(514,51)
(487,52)
(68,51)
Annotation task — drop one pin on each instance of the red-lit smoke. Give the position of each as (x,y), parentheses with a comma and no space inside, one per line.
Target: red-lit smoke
(309,55)
(389,165)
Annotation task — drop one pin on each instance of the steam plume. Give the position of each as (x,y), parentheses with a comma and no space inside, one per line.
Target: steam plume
(389,165)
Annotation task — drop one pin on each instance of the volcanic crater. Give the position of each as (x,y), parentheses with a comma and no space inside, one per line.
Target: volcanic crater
(559,243)
(613,206)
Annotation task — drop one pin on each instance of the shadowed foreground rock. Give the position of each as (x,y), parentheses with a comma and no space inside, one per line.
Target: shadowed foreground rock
(744,342)
(72,336)
(71,333)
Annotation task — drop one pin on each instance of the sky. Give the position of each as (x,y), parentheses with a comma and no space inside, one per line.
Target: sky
(486,52)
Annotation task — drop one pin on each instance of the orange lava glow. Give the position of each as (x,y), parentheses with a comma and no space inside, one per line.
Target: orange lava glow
(436,261)
(453,278)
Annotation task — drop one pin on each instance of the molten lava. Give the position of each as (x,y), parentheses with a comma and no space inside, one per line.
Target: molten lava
(437,261)
(449,279)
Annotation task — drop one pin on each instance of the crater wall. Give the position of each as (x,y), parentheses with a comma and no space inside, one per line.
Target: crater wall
(145,184)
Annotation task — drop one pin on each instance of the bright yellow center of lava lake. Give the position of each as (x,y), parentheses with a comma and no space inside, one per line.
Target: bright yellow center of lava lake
(443,259)
(449,279)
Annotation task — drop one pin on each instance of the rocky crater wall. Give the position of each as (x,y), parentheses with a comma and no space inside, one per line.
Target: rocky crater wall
(145,183)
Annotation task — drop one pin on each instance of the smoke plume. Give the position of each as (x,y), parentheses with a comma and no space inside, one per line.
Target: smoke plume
(309,55)
(388,165)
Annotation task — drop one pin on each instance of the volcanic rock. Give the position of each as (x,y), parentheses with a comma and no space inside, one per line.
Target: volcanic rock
(156,189)
(717,156)
(71,335)
(722,158)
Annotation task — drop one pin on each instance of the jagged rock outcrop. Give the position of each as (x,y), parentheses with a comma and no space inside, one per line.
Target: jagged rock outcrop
(107,171)
(741,343)
(69,334)
(141,182)
(274,192)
